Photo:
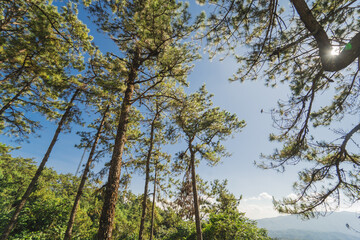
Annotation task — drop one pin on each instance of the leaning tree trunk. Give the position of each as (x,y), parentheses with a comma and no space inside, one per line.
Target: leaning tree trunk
(82,157)
(84,178)
(8,104)
(196,199)
(153,206)
(111,192)
(147,176)
(34,180)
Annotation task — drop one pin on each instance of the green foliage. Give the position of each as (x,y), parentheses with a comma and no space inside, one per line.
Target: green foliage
(224,226)
(39,46)
(225,221)
(42,52)
(292,45)
(46,213)
(150,36)
(156,38)
(205,127)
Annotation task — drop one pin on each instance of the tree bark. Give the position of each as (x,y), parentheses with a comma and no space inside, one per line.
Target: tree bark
(8,104)
(195,195)
(34,180)
(82,157)
(147,176)
(84,177)
(329,63)
(111,192)
(153,206)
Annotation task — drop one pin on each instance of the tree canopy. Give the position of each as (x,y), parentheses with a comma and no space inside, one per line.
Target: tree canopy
(134,109)
(313,47)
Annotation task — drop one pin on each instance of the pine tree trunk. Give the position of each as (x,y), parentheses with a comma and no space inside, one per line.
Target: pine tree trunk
(82,157)
(34,180)
(153,207)
(84,177)
(196,199)
(147,176)
(8,104)
(111,192)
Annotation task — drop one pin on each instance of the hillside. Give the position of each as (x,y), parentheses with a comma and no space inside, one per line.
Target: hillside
(332,227)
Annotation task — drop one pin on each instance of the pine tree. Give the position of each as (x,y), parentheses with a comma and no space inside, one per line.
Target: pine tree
(85,174)
(39,46)
(66,118)
(203,128)
(149,35)
(312,47)
(151,144)
(102,95)
(149,155)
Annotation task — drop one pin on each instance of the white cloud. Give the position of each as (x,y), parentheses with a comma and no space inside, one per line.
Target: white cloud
(258,207)
(261,206)
(265,195)
(349,207)
(261,196)
(254,211)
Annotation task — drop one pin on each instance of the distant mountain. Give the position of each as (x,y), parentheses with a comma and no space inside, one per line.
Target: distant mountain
(293,234)
(331,227)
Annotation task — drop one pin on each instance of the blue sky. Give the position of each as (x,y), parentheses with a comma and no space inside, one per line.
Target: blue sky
(245,99)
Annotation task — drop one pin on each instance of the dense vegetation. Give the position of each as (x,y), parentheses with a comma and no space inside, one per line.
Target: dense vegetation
(46,213)
(50,70)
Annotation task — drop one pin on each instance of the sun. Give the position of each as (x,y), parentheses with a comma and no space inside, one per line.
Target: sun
(335,50)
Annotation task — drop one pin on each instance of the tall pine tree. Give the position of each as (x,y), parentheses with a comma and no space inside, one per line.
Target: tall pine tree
(150,36)
(203,128)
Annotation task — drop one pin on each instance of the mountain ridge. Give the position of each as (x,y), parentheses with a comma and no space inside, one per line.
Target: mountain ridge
(331,227)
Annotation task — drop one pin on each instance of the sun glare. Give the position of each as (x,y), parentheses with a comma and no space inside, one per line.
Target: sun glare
(335,50)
